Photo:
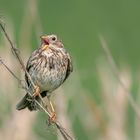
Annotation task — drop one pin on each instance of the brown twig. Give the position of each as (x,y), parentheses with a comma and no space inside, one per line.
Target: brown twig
(15,51)
(16,54)
(116,73)
(10,71)
(63,132)
(23,86)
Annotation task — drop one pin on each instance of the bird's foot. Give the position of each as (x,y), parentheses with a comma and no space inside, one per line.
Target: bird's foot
(36,92)
(52,118)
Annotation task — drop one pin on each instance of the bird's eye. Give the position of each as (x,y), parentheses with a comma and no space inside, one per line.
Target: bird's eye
(53,38)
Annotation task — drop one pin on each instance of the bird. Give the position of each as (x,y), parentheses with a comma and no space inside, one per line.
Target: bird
(48,66)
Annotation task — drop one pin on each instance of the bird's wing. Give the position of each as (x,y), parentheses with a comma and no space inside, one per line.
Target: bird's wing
(30,64)
(69,67)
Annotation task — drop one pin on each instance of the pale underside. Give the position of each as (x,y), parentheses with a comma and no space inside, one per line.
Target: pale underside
(54,72)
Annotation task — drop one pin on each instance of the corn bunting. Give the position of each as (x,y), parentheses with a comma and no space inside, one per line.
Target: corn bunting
(49,66)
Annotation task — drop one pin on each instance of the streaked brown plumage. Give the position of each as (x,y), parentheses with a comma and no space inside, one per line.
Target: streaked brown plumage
(49,66)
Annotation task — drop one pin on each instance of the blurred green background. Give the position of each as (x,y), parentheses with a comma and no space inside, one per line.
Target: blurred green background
(96,105)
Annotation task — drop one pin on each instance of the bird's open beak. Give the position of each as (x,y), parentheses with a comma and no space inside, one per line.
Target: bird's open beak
(45,39)
(43,36)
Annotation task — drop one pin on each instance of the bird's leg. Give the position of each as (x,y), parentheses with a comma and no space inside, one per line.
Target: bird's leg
(37,94)
(53,113)
(51,105)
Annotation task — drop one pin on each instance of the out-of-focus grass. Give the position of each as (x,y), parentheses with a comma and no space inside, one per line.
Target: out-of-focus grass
(107,115)
(41,130)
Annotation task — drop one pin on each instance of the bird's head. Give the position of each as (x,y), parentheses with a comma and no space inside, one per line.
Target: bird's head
(51,41)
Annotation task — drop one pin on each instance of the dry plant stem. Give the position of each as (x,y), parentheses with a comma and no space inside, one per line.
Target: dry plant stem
(24,87)
(15,51)
(65,135)
(116,72)
(1,61)
(63,132)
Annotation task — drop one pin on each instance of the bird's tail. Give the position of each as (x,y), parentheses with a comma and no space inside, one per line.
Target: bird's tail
(26,101)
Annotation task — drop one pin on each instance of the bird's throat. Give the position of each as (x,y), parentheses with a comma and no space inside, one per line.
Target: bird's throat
(45,47)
